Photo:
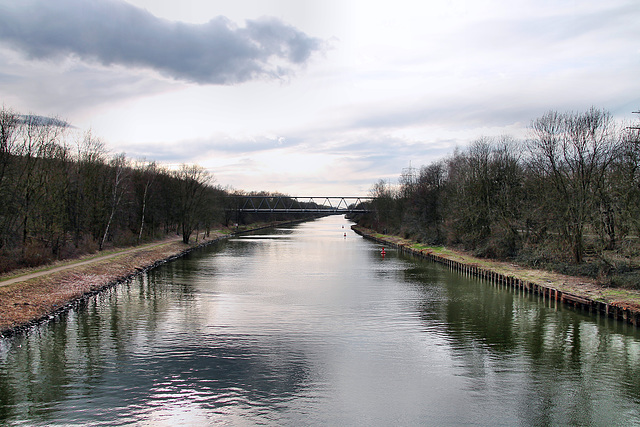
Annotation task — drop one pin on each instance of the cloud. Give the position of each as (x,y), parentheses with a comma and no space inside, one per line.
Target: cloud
(72,87)
(35,120)
(112,32)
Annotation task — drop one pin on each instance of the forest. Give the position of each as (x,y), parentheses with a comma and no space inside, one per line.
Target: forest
(567,198)
(64,195)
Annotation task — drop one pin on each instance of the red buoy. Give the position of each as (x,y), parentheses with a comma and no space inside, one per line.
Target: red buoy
(383,252)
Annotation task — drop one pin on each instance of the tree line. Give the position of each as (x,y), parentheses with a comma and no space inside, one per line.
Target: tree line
(63,194)
(567,194)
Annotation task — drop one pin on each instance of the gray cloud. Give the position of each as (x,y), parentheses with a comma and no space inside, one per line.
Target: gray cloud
(114,32)
(36,120)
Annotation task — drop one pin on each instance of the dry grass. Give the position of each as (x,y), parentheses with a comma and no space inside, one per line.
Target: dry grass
(44,291)
(37,298)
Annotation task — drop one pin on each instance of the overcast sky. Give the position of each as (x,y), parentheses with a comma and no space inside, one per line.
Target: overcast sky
(314,97)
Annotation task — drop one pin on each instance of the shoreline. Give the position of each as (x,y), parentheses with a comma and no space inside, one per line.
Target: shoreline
(578,292)
(37,298)
(35,301)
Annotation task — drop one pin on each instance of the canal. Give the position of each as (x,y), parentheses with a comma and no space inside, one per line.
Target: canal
(310,325)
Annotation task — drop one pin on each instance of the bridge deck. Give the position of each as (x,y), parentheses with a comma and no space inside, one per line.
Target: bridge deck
(299,204)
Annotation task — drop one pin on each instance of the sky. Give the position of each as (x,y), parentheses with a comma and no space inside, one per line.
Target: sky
(314,97)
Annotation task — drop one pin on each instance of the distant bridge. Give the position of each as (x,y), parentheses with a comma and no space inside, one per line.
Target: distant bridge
(330,205)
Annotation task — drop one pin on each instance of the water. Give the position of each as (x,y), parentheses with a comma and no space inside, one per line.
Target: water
(303,326)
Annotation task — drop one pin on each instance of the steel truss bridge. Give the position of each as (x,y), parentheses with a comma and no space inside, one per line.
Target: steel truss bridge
(329,205)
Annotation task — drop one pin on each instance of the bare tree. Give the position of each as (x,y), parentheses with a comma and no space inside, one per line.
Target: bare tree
(86,200)
(40,142)
(192,180)
(507,177)
(148,173)
(429,201)
(573,152)
(624,182)
(383,203)
(118,189)
(8,128)
(483,193)
(8,133)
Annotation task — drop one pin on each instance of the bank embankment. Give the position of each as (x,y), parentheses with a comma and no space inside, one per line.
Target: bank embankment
(579,292)
(28,298)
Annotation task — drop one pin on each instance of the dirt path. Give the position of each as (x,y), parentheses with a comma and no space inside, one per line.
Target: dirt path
(74,264)
(33,297)
(30,297)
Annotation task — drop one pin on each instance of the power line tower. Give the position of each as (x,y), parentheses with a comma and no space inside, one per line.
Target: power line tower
(634,127)
(408,178)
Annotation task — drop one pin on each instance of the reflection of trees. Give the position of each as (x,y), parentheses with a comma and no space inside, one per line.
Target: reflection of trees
(558,366)
(135,346)
(472,312)
(39,377)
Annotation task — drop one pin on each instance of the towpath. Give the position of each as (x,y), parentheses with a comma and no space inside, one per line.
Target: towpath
(79,263)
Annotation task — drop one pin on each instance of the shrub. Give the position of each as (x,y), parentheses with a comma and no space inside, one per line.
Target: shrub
(36,254)
(626,280)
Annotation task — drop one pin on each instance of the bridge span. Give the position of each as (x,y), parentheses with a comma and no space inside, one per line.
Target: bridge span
(330,205)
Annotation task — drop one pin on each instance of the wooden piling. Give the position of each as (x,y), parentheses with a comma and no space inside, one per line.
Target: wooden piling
(610,310)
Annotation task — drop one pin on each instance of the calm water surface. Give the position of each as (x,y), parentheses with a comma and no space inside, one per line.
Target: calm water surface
(304,326)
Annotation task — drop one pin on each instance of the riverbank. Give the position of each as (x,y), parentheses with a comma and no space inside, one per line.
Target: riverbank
(580,292)
(31,297)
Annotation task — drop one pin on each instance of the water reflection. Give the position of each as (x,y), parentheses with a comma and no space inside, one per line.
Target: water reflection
(135,349)
(554,364)
(309,327)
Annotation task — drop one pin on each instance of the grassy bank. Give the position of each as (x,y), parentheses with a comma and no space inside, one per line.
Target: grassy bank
(575,290)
